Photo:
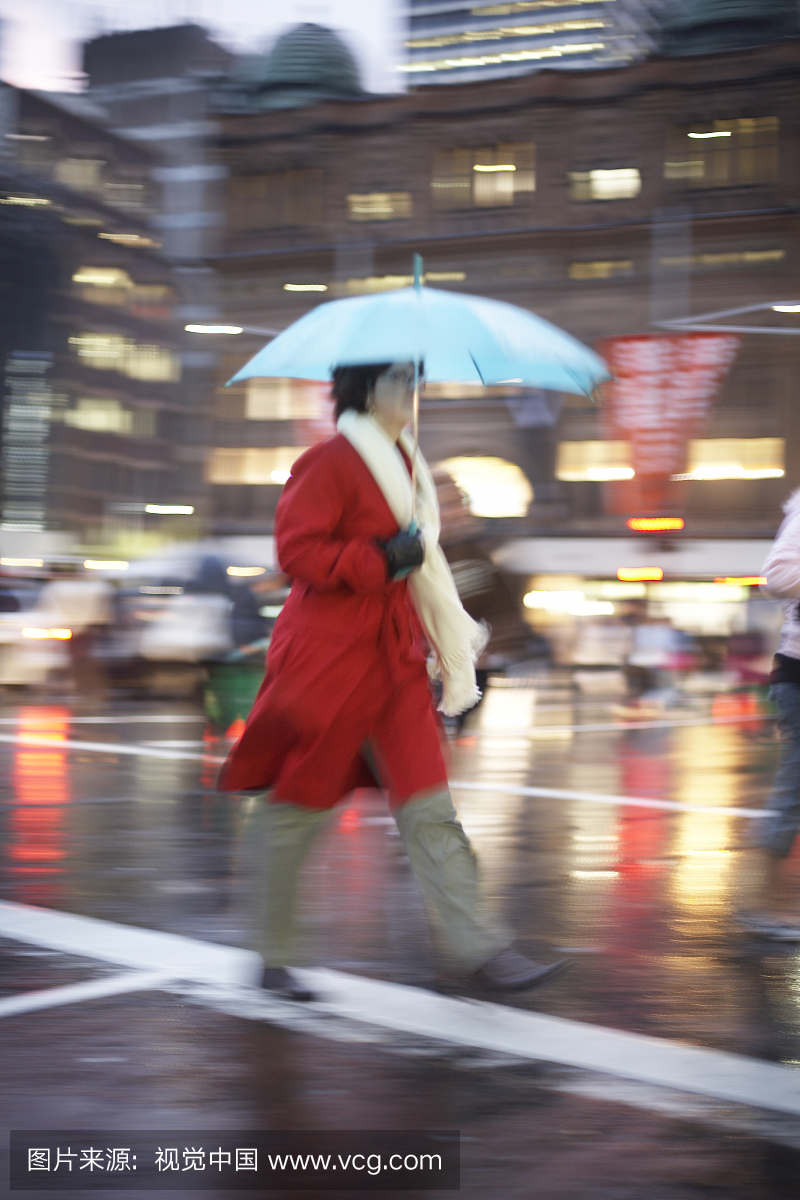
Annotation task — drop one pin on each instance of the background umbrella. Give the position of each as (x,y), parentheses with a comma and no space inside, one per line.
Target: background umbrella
(460,339)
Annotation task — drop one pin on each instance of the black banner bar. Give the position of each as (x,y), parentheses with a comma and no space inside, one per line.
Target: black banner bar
(250,1160)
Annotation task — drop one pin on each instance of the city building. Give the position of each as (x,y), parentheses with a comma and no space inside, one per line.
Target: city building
(606,201)
(452,41)
(152,88)
(91,358)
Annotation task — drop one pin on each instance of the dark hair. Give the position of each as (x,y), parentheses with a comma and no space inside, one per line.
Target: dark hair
(352,386)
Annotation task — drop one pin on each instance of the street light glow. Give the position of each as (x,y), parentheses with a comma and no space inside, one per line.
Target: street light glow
(229,329)
(639,574)
(56,635)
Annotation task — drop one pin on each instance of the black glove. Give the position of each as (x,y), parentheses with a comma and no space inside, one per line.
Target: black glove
(403,552)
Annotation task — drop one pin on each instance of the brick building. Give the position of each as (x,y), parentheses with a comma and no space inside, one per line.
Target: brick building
(602,200)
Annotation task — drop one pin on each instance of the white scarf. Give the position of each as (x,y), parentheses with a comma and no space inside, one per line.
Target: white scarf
(456,640)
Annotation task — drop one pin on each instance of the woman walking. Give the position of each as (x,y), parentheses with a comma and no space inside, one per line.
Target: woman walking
(775,913)
(345,702)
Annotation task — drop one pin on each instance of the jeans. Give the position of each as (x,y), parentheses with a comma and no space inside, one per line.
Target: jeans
(777,832)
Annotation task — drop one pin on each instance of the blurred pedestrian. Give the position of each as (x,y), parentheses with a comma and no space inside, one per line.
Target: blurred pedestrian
(775,834)
(345,701)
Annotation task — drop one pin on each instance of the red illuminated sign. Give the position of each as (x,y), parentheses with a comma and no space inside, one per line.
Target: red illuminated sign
(662,391)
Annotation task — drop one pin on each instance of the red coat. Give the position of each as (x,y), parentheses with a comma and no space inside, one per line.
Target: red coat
(346,664)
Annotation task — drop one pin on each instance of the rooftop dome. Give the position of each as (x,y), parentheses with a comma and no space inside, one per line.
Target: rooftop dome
(705,26)
(306,64)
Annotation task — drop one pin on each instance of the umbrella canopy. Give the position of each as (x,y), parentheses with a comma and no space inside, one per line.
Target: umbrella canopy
(461,339)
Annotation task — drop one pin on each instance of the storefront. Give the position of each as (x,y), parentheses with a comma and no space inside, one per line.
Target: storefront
(700,601)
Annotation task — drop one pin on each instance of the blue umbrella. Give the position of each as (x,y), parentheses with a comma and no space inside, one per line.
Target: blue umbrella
(460,339)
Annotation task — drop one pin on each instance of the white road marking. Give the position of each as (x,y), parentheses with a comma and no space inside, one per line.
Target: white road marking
(619,726)
(128,946)
(92,989)
(368,1002)
(172,743)
(509,789)
(141,750)
(137,750)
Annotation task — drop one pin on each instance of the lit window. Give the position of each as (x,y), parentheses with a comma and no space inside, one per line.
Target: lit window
(390,283)
(109,416)
(723,153)
(483,176)
(578,462)
(126,194)
(623,183)
(107,277)
(601,269)
(82,174)
(286,400)
(735,458)
(379,206)
(127,239)
(494,487)
(573,603)
(252,464)
(503,33)
(274,199)
(471,61)
(112,285)
(729,258)
(111,352)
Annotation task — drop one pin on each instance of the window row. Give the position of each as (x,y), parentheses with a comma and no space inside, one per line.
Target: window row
(707,458)
(118,184)
(714,154)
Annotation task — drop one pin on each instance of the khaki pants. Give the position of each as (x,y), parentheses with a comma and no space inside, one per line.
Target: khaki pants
(441,859)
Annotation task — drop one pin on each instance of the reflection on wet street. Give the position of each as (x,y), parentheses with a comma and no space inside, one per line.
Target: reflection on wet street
(111,815)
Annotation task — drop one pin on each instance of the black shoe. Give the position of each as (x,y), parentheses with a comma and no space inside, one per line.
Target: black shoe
(509,971)
(281,982)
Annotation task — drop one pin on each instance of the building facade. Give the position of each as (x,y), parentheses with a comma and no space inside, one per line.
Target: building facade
(605,201)
(450,41)
(92,361)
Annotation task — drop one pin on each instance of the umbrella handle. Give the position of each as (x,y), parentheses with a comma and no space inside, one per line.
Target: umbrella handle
(418,275)
(416,443)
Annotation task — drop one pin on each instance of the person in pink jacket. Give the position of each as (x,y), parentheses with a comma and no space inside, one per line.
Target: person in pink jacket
(774,835)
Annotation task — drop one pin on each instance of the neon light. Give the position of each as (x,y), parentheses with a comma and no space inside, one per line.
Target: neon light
(742,580)
(651,524)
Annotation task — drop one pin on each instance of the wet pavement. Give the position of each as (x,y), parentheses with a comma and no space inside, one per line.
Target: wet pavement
(107,812)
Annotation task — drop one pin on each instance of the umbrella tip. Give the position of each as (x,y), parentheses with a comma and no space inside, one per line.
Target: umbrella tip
(418,270)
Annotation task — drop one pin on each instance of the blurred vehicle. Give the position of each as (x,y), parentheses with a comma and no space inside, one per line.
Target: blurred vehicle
(31,647)
(176,614)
